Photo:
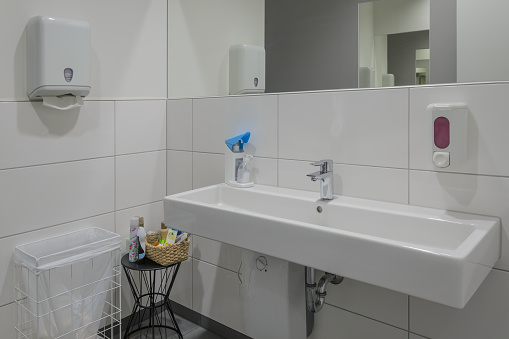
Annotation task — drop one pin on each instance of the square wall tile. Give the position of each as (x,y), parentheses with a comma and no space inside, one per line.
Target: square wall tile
(140,178)
(487,127)
(264,171)
(33,134)
(179,124)
(376,183)
(179,171)
(371,301)
(217,294)
(208,169)
(217,253)
(368,127)
(342,324)
(182,290)
(35,197)
(216,119)
(484,316)
(8,244)
(140,126)
(8,320)
(465,193)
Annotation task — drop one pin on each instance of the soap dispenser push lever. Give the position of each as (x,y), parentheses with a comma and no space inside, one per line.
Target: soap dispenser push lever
(326,177)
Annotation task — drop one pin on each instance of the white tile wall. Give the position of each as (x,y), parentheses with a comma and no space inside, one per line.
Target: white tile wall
(217,253)
(487,121)
(351,127)
(263,171)
(337,323)
(208,169)
(35,197)
(216,294)
(7,319)
(140,178)
(485,315)
(216,119)
(182,291)
(370,301)
(32,134)
(140,126)
(376,183)
(179,171)
(180,124)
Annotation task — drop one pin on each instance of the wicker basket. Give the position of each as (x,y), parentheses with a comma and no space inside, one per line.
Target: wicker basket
(168,255)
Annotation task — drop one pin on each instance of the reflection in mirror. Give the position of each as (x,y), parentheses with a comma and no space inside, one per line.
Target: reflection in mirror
(394,43)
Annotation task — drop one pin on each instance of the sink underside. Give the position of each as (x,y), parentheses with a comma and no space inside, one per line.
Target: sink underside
(437,255)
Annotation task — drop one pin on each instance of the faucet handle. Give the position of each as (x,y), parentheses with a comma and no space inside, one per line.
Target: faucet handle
(325,165)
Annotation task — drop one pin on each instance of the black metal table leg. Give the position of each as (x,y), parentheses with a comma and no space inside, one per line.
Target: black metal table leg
(155,300)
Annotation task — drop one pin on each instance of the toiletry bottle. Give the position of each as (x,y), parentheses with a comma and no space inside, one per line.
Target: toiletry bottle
(133,239)
(141,247)
(244,173)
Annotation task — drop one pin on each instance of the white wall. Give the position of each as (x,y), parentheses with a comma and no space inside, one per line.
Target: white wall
(199,36)
(482,49)
(390,162)
(398,16)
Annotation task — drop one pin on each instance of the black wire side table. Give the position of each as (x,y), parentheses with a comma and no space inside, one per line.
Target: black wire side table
(149,297)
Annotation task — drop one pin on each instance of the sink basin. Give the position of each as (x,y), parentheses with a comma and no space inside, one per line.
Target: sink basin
(433,254)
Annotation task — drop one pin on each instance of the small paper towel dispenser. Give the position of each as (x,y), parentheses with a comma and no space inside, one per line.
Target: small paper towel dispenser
(58,57)
(247,69)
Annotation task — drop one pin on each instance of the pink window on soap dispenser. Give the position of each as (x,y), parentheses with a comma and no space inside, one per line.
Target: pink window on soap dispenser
(442,132)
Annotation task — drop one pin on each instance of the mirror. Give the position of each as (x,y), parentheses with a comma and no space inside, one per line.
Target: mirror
(313,45)
(393,43)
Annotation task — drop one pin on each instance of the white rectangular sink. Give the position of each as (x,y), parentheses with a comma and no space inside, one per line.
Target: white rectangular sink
(433,254)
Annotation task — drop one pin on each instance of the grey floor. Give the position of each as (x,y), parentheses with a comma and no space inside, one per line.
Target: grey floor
(189,330)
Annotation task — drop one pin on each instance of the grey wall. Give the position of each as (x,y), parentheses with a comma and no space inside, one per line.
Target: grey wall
(401,55)
(442,40)
(310,45)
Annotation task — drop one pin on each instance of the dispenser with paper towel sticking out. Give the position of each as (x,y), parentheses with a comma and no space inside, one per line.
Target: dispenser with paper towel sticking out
(58,61)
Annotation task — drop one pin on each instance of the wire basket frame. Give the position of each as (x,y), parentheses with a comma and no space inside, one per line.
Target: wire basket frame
(81,300)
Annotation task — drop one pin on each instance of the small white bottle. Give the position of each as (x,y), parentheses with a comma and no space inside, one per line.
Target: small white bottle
(244,173)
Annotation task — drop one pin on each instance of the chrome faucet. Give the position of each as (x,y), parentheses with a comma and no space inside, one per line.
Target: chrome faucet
(326,177)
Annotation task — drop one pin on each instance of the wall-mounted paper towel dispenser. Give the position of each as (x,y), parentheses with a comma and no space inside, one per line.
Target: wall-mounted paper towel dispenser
(58,58)
(246,69)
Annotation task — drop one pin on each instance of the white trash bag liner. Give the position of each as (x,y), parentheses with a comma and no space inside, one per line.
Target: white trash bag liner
(65,281)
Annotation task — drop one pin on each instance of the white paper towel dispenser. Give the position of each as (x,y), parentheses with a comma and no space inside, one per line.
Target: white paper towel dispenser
(58,58)
(246,69)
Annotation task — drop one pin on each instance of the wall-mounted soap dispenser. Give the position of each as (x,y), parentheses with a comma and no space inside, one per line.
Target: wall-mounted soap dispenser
(246,69)
(58,58)
(236,160)
(449,125)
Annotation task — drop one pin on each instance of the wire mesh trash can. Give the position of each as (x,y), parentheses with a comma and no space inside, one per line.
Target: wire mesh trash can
(68,286)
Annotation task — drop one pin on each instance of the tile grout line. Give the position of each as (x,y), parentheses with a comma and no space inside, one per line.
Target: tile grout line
(408,145)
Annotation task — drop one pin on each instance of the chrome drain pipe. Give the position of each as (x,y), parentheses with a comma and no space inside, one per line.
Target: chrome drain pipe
(315,294)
